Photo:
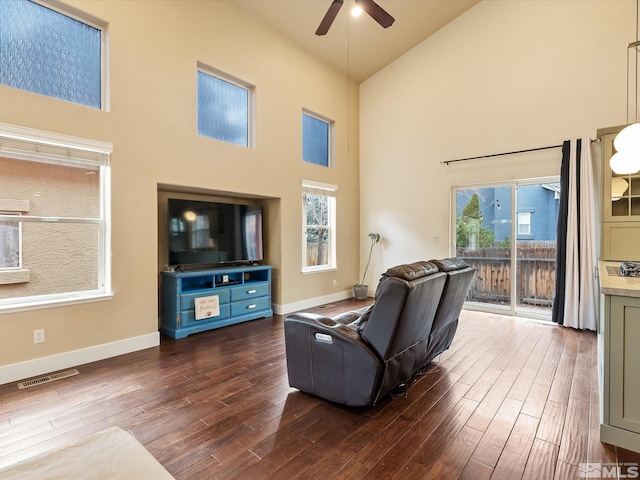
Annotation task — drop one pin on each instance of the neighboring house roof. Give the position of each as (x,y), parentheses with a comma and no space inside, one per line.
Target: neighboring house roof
(554,187)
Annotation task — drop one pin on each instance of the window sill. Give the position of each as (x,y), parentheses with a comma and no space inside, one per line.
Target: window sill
(50,303)
(318,270)
(19,275)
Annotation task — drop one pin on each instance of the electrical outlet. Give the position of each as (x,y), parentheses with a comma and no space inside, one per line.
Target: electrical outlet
(335,284)
(435,239)
(38,336)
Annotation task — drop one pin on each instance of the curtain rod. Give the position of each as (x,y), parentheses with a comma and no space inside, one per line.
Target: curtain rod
(447,162)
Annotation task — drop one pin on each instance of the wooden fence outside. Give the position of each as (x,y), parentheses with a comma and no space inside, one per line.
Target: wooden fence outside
(536,273)
(313,258)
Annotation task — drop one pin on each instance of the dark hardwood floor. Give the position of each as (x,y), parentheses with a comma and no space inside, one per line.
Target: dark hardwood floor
(510,399)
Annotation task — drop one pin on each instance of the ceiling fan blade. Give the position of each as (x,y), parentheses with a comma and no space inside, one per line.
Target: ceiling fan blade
(329,17)
(376,12)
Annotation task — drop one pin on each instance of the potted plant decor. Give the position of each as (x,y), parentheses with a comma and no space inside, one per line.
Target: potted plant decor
(360,289)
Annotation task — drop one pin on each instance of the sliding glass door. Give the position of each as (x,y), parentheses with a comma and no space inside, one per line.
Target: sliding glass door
(507,232)
(483,239)
(536,224)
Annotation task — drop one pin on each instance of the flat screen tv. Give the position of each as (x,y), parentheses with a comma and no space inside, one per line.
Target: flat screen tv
(213,233)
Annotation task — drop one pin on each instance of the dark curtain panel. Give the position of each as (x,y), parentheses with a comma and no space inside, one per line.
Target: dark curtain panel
(575,301)
(557,312)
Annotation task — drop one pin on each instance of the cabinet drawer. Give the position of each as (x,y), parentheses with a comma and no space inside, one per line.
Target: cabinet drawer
(187,299)
(249,306)
(189,317)
(250,290)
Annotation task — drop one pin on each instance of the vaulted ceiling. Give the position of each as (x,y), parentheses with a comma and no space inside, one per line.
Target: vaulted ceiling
(357,46)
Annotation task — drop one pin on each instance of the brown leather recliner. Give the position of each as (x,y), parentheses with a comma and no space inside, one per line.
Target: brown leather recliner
(358,357)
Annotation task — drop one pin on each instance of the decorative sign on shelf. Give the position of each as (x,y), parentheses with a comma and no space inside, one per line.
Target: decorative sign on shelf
(207,307)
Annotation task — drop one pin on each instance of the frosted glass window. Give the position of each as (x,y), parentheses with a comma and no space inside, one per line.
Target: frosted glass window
(223,110)
(315,140)
(46,52)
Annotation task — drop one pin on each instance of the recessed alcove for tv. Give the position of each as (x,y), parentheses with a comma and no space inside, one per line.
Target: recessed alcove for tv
(270,229)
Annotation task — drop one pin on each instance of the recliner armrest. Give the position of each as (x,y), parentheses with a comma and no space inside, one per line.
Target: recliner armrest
(326,325)
(331,360)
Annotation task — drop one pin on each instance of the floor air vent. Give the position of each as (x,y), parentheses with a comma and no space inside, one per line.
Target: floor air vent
(48,378)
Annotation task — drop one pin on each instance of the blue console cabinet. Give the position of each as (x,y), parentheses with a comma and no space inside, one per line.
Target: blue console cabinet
(240,294)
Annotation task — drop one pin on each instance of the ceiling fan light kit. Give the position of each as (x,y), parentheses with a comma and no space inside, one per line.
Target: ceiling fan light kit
(372,9)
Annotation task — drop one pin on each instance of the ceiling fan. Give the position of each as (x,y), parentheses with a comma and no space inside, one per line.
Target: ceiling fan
(374,10)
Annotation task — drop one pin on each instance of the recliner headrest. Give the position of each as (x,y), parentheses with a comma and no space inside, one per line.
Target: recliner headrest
(449,264)
(412,271)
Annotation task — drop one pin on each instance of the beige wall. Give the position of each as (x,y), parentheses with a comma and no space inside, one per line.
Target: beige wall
(153,50)
(507,75)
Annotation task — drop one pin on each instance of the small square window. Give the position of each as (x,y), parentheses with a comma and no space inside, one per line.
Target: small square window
(223,109)
(316,136)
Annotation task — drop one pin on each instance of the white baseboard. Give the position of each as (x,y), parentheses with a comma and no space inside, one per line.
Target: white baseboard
(52,363)
(40,366)
(311,302)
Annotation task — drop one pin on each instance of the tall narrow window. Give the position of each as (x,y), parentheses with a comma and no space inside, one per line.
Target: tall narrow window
(55,189)
(316,140)
(223,108)
(318,226)
(46,52)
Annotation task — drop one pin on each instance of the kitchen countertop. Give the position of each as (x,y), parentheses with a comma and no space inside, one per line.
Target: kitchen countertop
(613,283)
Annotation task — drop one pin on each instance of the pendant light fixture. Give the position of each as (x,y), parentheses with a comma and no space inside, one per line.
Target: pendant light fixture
(626,160)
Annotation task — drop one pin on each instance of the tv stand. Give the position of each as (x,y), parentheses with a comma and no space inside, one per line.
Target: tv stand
(240,293)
